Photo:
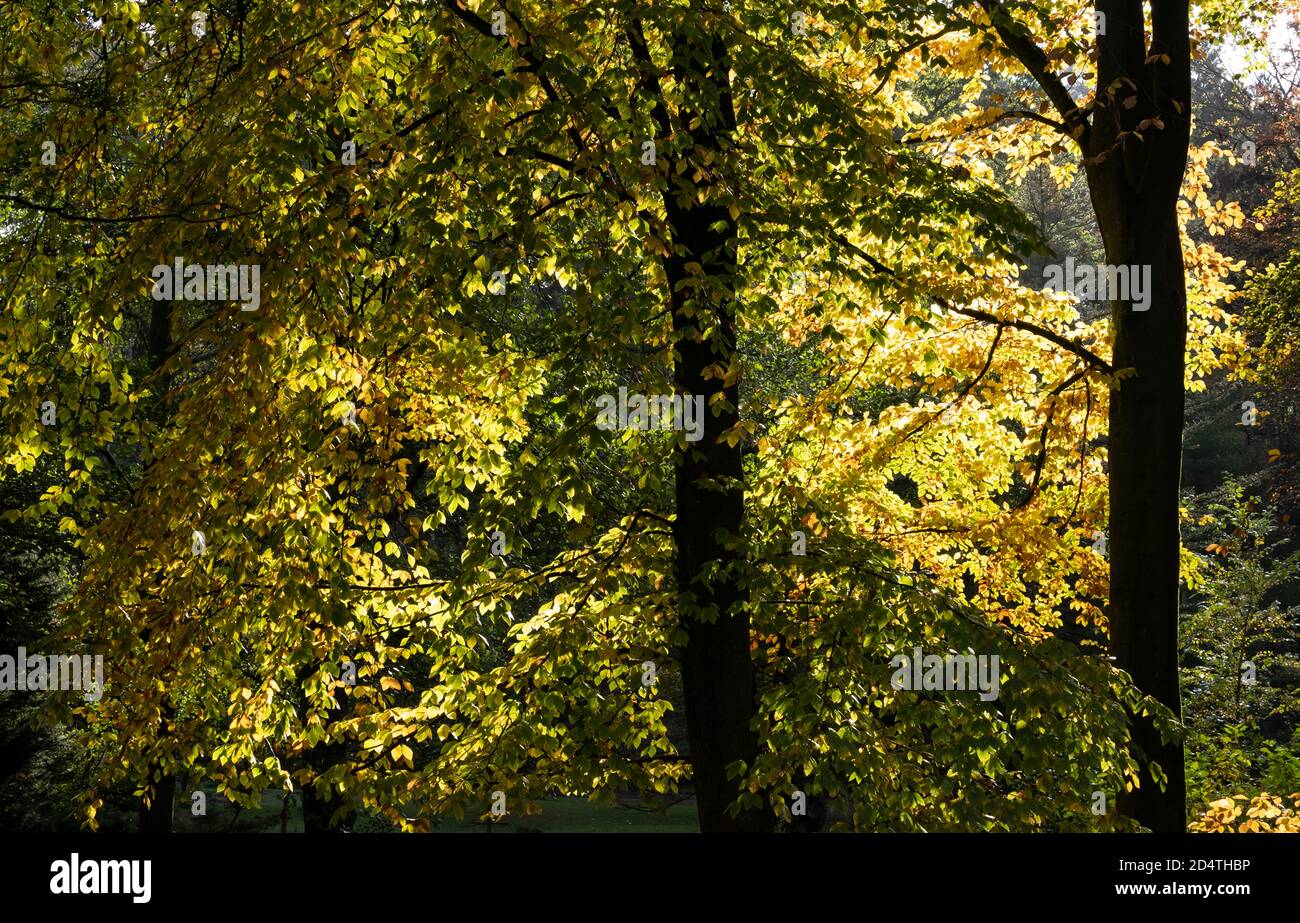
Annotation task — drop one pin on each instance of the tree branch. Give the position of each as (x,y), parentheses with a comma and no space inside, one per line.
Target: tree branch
(1025,50)
(1066,343)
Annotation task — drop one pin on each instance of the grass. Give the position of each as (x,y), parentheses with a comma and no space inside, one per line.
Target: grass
(558,815)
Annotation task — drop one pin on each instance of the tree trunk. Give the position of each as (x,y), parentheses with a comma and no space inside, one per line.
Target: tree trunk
(317,811)
(157,816)
(1134,180)
(717,670)
(1145,456)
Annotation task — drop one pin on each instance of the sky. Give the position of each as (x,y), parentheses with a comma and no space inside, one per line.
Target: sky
(1280,34)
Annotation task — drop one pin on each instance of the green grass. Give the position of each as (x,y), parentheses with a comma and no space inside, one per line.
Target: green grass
(558,815)
(577,815)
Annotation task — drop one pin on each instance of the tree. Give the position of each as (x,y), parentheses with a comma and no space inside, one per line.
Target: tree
(378,547)
(1235,666)
(1131,139)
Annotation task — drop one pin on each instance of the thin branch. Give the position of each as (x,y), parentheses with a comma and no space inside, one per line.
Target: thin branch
(1052,336)
(1041,460)
(1035,61)
(62,212)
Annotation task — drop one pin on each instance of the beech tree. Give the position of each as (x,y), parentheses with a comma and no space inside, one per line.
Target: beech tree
(357,533)
(1113,85)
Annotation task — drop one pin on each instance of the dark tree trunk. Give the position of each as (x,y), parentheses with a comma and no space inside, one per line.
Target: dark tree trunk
(317,812)
(158,815)
(1134,183)
(1145,456)
(318,809)
(717,669)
